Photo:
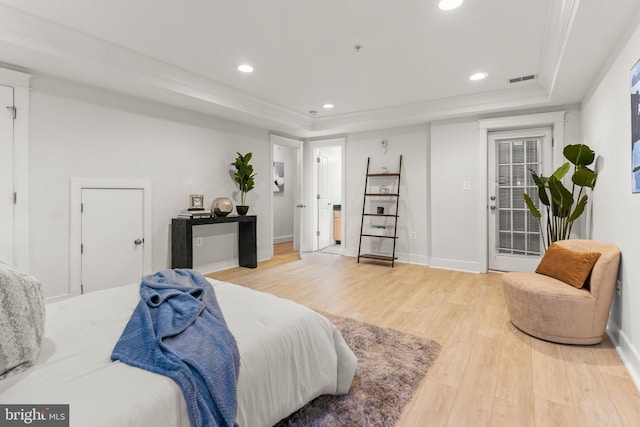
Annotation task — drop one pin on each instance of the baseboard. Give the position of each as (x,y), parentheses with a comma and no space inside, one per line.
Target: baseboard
(282,239)
(230,263)
(413,259)
(452,264)
(402,257)
(216,266)
(627,352)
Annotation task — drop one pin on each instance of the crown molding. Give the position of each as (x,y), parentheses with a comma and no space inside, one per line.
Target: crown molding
(45,47)
(562,14)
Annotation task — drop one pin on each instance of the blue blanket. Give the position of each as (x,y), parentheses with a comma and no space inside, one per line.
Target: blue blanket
(178,330)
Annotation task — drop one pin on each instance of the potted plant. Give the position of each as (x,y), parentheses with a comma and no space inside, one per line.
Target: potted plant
(562,208)
(244,178)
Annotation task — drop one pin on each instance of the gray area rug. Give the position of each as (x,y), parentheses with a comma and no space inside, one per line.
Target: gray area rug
(391,365)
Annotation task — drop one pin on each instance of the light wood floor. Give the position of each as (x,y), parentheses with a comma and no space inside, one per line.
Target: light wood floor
(488,372)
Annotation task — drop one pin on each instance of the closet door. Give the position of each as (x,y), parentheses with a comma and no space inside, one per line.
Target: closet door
(7,231)
(112,237)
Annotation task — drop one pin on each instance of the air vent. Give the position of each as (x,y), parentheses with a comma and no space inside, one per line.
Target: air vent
(522,79)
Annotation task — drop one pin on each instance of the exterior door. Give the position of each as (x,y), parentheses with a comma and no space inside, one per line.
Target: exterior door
(6,175)
(112,237)
(514,234)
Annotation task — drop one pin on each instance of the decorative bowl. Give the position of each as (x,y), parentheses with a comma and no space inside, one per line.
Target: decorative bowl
(221,206)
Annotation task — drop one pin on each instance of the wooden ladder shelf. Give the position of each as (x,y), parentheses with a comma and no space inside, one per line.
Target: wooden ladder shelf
(389,196)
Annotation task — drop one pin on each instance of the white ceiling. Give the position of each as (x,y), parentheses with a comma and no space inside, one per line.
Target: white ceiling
(413,66)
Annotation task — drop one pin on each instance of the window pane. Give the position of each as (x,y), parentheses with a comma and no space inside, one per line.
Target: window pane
(519,241)
(518,176)
(518,152)
(504,175)
(505,220)
(533,243)
(504,198)
(518,198)
(504,155)
(518,221)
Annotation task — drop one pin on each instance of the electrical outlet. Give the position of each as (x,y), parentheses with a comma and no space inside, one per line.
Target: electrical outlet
(198,241)
(466,185)
(412,235)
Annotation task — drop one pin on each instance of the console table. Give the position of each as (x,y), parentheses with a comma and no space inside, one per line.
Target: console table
(182,239)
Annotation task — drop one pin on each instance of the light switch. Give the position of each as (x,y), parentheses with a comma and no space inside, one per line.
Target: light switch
(466,185)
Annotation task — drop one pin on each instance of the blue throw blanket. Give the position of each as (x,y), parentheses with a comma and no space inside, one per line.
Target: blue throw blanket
(178,330)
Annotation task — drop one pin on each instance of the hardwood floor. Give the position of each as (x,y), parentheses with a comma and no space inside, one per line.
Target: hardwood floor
(488,372)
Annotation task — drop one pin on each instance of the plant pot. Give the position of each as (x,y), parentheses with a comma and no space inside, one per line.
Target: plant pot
(242,209)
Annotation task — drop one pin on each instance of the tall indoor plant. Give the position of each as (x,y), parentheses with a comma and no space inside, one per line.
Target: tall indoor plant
(244,177)
(562,208)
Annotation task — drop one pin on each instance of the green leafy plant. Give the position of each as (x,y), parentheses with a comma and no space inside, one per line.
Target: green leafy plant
(244,175)
(562,207)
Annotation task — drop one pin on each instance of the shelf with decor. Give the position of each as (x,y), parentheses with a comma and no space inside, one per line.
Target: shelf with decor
(388,199)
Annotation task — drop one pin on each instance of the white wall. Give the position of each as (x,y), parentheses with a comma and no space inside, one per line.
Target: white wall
(606,125)
(83,132)
(455,232)
(412,142)
(283,202)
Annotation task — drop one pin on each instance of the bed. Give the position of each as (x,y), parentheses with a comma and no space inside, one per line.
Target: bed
(289,354)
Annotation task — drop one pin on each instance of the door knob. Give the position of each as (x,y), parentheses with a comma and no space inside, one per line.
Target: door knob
(137,242)
(301,206)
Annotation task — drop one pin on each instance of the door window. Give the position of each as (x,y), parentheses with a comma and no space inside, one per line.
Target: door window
(518,232)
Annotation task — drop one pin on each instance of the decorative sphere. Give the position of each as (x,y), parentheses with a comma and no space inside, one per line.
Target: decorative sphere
(221,206)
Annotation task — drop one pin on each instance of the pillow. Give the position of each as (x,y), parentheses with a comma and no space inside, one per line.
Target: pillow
(21,320)
(568,266)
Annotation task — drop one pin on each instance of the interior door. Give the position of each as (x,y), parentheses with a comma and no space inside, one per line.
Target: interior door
(112,237)
(299,208)
(325,213)
(514,234)
(6,175)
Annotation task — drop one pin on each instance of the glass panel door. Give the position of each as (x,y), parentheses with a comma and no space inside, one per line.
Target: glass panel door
(514,234)
(518,231)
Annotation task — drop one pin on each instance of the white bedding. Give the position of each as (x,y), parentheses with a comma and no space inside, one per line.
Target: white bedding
(289,355)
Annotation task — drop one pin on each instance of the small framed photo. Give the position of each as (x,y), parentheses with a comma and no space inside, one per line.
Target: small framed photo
(196,201)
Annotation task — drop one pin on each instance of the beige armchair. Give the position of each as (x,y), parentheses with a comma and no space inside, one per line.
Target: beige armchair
(555,311)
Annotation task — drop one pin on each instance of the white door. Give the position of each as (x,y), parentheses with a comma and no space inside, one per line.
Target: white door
(325,213)
(514,234)
(299,208)
(112,237)
(6,175)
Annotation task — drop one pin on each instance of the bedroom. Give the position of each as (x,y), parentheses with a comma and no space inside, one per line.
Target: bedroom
(79,129)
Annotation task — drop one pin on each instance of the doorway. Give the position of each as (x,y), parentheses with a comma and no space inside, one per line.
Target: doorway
(328,200)
(287,206)
(514,237)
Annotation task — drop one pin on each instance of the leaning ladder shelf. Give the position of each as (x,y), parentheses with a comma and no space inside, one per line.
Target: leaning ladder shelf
(369,195)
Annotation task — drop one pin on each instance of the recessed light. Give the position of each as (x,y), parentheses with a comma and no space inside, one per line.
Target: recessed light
(327,106)
(449,4)
(478,76)
(245,68)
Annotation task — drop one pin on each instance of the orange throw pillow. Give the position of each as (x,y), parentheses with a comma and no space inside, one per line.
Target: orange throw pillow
(568,266)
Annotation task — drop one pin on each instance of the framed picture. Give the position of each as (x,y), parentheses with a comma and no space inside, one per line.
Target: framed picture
(278,177)
(196,201)
(635,128)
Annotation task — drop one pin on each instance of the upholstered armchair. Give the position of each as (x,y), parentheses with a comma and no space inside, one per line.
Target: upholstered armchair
(553,310)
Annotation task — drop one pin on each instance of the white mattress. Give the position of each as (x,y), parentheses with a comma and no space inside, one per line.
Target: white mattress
(289,355)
